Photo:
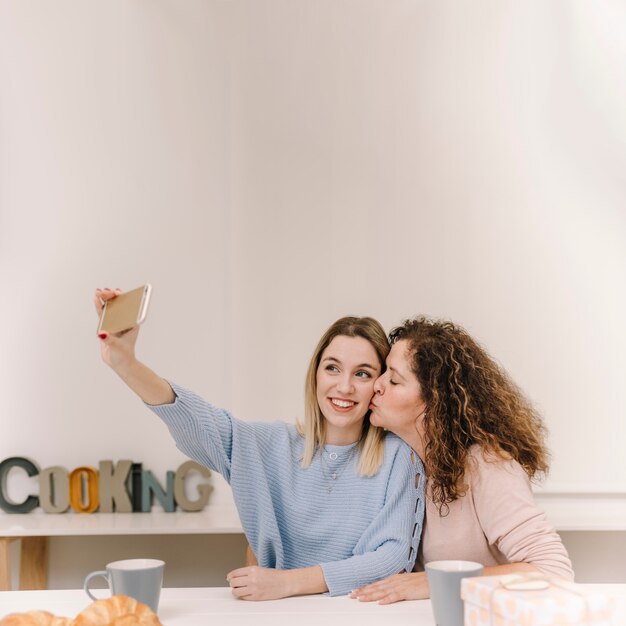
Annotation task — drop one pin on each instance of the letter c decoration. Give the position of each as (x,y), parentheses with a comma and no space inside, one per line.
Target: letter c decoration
(31,469)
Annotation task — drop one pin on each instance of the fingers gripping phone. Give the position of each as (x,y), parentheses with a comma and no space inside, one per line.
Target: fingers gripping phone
(125,311)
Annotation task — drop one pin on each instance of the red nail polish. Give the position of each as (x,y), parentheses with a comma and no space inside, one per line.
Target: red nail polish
(103,335)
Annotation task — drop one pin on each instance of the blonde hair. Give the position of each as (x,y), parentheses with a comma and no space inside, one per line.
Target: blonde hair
(370,444)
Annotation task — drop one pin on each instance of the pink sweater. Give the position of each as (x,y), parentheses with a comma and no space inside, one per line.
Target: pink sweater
(495,522)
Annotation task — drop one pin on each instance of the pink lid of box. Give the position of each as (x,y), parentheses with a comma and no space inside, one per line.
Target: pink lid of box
(536,600)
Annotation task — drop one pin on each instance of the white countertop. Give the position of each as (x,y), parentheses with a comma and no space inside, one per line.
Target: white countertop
(584,511)
(199,607)
(580,512)
(215,519)
(566,511)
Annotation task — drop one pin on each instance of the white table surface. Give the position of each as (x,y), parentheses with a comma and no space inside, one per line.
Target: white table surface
(217,607)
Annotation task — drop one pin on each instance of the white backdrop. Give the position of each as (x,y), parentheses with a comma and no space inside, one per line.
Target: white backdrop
(272,165)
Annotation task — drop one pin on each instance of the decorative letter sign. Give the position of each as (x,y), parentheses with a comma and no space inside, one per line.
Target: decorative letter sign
(113,492)
(150,487)
(121,487)
(84,492)
(179,487)
(31,469)
(54,490)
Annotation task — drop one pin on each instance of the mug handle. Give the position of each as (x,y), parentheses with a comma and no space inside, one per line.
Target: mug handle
(102,573)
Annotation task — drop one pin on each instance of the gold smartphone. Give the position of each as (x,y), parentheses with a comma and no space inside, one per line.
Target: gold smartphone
(125,311)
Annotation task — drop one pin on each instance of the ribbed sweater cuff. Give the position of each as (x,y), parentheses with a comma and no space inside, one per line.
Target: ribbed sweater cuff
(178,421)
(339,578)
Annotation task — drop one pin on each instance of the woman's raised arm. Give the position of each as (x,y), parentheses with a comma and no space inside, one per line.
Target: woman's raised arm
(118,351)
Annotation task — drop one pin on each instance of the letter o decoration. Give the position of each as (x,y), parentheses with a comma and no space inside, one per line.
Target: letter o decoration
(54,489)
(77,495)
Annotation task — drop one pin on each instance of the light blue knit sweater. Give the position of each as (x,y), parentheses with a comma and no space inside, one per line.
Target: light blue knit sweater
(365,529)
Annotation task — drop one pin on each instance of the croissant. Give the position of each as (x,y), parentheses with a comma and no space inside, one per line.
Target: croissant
(34,618)
(116,611)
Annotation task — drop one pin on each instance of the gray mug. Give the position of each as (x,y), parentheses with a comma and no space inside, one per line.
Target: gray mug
(444,580)
(138,578)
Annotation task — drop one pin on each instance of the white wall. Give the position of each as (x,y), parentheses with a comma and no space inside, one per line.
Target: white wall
(272,165)
(115,142)
(465,162)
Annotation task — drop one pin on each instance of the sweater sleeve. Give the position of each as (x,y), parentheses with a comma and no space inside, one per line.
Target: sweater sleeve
(202,431)
(389,544)
(511,520)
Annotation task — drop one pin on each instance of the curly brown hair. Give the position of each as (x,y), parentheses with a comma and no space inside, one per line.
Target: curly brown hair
(470,399)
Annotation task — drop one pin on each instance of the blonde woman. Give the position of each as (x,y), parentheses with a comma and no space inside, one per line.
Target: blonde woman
(325,506)
(481,442)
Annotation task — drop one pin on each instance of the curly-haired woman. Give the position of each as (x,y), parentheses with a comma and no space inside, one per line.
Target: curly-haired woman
(481,442)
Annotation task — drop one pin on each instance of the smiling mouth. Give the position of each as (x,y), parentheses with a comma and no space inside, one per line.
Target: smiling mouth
(342,404)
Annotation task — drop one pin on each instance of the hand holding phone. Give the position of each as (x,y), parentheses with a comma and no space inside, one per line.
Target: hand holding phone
(125,311)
